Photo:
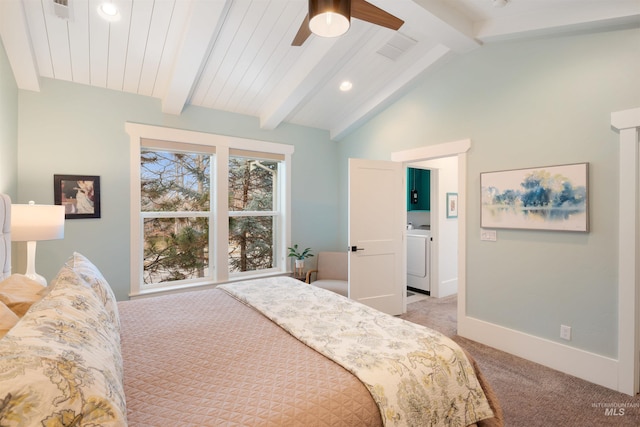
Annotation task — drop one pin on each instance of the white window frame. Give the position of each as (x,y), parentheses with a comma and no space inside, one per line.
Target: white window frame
(219,227)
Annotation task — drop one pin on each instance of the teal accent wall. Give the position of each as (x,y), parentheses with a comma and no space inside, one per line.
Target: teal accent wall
(8,127)
(420,181)
(75,129)
(526,104)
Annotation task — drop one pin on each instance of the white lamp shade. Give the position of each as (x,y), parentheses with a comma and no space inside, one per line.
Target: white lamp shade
(37,222)
(329,18)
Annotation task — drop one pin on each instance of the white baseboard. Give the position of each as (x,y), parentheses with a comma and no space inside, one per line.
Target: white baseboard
(448,287)
(588,366)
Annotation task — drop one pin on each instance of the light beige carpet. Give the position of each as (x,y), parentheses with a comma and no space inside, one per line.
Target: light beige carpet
(532,395)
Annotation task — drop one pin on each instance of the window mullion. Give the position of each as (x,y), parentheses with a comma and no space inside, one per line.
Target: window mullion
(220,237)
(252,213)
(164,214)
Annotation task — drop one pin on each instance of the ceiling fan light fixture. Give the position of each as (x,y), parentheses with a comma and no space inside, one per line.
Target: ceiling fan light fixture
(329,18)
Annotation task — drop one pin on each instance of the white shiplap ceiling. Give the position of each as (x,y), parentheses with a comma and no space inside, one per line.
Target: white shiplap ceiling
(236,55)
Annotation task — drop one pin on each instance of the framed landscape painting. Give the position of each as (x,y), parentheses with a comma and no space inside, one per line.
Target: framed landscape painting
(544,198)
(79,194)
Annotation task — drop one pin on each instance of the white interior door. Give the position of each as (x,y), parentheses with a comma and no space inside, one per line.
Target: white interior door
(377,218)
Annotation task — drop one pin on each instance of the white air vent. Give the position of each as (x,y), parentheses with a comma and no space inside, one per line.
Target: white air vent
(62,9)
(396,46)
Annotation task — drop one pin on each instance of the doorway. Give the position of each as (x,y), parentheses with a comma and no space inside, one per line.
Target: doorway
(418,240)
(456,152)
(443,228)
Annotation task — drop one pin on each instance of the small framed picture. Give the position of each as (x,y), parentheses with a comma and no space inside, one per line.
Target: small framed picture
(79,194)
(452,205)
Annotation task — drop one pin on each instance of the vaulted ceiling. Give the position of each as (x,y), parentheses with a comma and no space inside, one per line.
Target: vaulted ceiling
(236,55)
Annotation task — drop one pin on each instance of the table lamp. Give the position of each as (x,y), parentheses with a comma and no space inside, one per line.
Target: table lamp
(30,223)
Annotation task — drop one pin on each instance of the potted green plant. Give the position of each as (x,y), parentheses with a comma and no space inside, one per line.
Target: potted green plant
(299,256)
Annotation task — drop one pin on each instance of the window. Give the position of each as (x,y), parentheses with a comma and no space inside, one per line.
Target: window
(253,213)
(175,199)
(205,208)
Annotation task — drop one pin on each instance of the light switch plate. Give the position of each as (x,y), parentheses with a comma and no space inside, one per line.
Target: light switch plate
(488,235)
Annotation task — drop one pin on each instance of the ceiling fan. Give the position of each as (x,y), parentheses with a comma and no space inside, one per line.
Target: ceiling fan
(330,18)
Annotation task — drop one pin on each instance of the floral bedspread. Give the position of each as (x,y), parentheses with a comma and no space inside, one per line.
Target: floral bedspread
(417,376)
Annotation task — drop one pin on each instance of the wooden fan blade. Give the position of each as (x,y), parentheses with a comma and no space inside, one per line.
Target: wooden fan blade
(303,33)
(367,12)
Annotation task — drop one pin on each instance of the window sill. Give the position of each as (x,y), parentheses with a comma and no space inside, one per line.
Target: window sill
(197,286)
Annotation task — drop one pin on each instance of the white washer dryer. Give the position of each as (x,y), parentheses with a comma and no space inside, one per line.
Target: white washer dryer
(418,259)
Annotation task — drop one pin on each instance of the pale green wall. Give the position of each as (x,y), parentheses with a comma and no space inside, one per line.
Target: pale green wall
(8,127)
(528,104)
(74,129)
(523,104)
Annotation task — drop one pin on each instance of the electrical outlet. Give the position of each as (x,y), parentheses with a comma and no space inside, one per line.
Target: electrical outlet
(488,235)
(565,332)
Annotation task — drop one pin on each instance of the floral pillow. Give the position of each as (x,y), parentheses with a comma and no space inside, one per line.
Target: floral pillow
(61,363)
(91,277)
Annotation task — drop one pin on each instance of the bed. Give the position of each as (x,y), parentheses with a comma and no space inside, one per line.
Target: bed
(268,352)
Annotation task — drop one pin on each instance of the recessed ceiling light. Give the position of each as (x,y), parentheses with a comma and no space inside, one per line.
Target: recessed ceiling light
(346,86)
(109,11)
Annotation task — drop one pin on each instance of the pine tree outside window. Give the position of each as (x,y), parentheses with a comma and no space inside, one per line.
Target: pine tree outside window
(175,202)
(206,209)
(252,217)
